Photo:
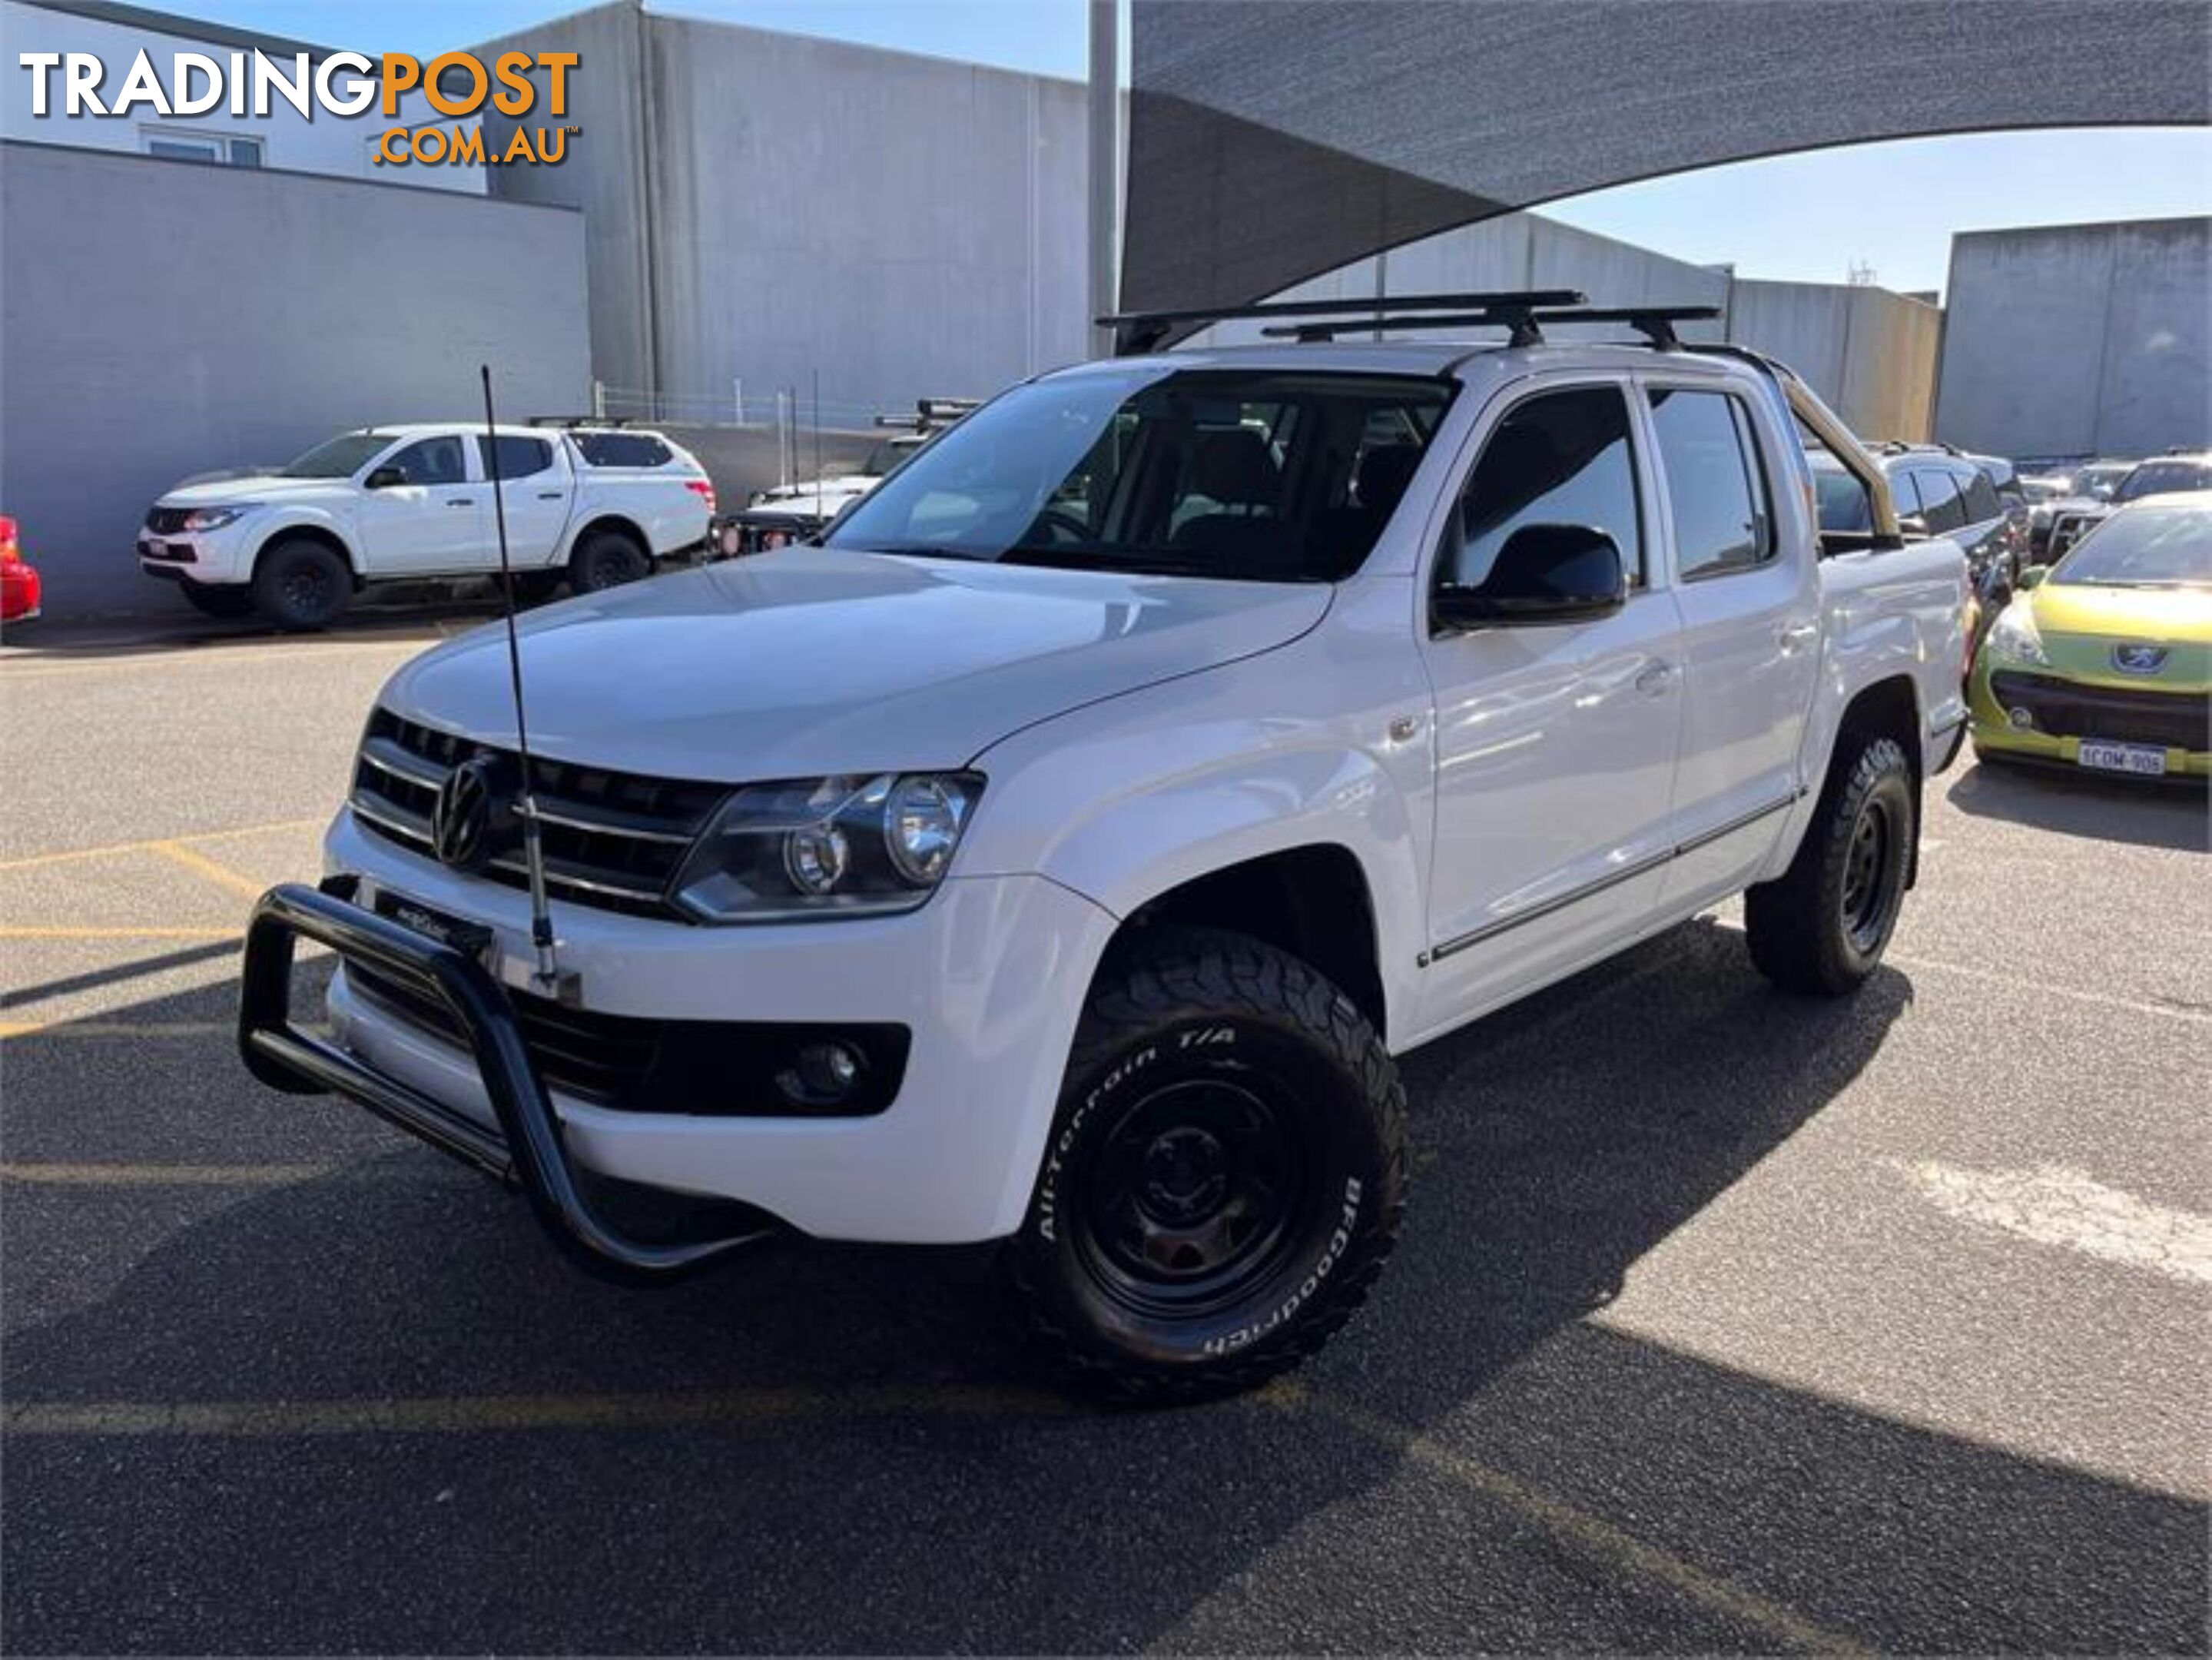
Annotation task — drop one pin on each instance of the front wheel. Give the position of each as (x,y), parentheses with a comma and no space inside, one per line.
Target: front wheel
(1225,1176)
(1821,926)
(301,584)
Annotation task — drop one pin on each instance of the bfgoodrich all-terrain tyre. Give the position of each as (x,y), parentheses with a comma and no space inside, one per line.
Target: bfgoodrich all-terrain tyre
(300,585)
(606,559)
(1821,926)
(1223,1179)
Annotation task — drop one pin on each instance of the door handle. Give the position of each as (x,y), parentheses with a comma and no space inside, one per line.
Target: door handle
(1795,634)
(548,495)
(460,500)
(1653,679)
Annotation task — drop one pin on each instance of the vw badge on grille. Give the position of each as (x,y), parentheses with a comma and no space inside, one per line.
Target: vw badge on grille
(461,822)
(2135,659)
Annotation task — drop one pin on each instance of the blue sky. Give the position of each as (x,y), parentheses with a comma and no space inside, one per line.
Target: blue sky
(1891,207)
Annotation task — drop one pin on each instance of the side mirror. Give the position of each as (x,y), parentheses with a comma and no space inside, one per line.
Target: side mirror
(385,478)
(1913,527)
(1545,574)
(2032,577)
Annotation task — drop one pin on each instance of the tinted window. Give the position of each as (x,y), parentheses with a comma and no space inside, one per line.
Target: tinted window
(1843,505)
(621,449)
(432,461)
(1559,459)
(1715,481)
(518,458)
(1941,507)
(1254,476)
(1982,499)
(1902,495)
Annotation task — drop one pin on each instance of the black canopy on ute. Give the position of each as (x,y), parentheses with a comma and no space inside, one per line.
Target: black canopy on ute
(1272,140)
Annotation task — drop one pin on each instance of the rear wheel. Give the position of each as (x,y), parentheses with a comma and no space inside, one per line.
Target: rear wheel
(1822,925)
(1224,1177)
(218,601)
(606,559)
(300,585)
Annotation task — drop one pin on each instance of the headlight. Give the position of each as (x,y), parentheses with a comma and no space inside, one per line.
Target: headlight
(831,847)
(215,518)
(2013,640)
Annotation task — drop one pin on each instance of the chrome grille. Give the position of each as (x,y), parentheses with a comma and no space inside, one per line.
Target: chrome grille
(611,839)
(168,521)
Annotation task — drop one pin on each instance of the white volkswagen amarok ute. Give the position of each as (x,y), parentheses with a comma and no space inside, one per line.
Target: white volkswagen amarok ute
(1060,853)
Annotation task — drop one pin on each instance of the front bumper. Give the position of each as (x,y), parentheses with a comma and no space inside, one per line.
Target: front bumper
(989,978)
(2082,706)
(205,557)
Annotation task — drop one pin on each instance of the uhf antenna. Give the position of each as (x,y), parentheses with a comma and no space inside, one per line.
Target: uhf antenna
(548,974)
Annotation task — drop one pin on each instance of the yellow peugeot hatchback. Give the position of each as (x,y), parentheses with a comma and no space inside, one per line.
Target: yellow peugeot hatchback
(2104,660)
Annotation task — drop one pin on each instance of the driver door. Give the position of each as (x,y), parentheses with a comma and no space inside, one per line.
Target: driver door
(1555,743)
(433,520)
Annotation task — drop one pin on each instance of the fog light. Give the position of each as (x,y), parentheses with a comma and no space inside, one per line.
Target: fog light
(822,1075)
(2021,719)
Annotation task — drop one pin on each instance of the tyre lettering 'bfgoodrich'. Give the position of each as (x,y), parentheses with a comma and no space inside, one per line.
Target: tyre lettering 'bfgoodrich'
(1224,1176)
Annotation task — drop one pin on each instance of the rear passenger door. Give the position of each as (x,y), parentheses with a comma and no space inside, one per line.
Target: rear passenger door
(1749,600)
(534,488)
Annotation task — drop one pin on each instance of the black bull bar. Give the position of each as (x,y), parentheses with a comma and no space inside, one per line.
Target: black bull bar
(526,1151)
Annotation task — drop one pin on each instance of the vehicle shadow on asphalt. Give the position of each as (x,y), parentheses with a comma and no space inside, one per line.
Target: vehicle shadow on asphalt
(2175,815)
(1460,1470)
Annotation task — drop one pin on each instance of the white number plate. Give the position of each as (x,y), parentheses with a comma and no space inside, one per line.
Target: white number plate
(2125,757)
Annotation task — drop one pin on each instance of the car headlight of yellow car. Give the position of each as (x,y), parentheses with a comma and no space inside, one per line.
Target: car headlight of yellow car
(2013,640)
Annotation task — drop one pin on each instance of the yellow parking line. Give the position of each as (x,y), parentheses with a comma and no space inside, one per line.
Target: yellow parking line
(1593,1533)
(468,1415)
(58,933)
(163,1176)
(35,860)
(200,865)
(62,1026)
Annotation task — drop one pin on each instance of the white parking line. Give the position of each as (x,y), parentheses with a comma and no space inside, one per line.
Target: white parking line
(2054,1205)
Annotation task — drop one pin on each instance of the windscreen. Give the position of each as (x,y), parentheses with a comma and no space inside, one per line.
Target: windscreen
(341,457)
(1242,475)
(2149,547)
(2161,477)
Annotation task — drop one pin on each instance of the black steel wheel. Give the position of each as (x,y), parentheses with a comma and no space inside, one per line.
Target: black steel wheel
(606,559)
(300,584)
(1821,927)
(1224,1176)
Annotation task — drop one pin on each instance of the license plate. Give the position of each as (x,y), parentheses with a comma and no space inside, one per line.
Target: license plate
(2140,758)
(474,938)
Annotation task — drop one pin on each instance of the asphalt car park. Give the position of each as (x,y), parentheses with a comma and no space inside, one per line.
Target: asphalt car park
(1721,1321)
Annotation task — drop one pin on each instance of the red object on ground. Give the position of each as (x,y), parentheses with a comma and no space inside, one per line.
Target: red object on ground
(18,579)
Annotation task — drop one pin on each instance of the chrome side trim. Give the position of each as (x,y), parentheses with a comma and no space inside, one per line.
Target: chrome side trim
(1611,878)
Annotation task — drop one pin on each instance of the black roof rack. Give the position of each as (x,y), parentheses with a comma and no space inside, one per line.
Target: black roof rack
(572,422)
(1140,331)
(1656,323)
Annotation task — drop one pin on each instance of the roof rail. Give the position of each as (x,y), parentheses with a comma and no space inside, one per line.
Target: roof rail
(1527,322)
(1138,331)
(573,422)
